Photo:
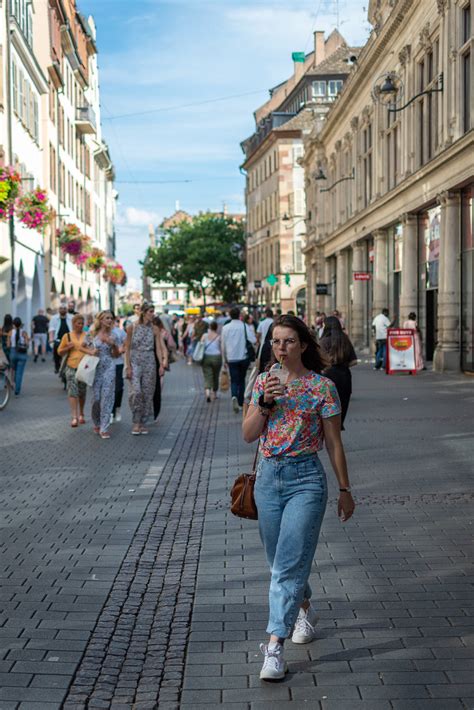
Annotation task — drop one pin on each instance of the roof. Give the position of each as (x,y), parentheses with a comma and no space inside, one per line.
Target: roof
(336,63)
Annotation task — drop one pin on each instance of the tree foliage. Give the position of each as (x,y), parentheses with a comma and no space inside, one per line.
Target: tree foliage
(204,254)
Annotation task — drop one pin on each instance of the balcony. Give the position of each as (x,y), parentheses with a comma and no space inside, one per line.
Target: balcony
(85,120)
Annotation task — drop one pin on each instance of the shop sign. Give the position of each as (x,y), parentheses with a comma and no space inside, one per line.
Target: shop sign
(362,276)
(400,350)
(257,284)
(322,289)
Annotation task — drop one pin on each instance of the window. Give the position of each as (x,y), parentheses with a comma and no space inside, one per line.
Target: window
(164,295)
(318,89)
(334,87)
(466,69)
(297,153)
(52,168)
(367,164)
(15,87)
(176,295)
(297,256)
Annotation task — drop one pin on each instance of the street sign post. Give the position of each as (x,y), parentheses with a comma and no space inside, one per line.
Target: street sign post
(400,350)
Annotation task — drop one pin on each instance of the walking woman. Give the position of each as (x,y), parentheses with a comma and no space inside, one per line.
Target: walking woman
(292,422)
(161,365)
(211,361)
(103,391)
(73,345)
(143,341)
(5,332)
(340,352)
(17,346)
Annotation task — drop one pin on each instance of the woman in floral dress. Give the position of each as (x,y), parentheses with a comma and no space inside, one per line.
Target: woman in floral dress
(143,341)
(103,390)
(292,421)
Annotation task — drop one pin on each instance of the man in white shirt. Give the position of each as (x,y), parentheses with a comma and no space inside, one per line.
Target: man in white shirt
(59,325)
(264,325)
(380,324)
(236,354)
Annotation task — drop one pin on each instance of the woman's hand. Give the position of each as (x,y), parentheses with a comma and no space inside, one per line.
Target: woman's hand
(345,506)
(271,389)
(128,373)
(161,371)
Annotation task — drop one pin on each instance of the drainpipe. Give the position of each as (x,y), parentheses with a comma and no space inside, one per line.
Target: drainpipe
(8,93)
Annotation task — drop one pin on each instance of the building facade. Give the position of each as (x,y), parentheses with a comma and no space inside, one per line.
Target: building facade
(391,223)
(50,119)
(275,190)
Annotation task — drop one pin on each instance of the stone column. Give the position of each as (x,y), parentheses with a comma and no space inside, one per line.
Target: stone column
(380,296)
(358,296)
(409,291)
(447,353)
(342,283)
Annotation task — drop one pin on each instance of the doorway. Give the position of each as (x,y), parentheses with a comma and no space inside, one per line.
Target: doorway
(431,323)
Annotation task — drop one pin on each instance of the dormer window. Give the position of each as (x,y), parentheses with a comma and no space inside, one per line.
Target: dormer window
(319,89)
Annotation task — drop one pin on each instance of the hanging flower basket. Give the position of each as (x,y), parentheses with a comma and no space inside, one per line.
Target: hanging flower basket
(70,239)
(114,272)
(10,183)
(96,260)
(33,210)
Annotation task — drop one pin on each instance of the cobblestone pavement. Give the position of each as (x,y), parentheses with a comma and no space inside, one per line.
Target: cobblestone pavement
(125,582)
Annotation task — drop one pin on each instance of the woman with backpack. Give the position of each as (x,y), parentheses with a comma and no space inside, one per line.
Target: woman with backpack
(211,361)
(18,342)
(341,355)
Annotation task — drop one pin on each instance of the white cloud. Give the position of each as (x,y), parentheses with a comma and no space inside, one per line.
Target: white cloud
(134,217)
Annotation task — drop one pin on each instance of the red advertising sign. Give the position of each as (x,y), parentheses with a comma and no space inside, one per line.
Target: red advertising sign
(362,276)
(401,350)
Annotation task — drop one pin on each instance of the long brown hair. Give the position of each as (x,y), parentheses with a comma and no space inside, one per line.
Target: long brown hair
(312,357)
(335,343)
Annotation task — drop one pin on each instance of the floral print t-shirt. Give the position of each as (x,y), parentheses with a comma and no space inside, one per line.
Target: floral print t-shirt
(295,426)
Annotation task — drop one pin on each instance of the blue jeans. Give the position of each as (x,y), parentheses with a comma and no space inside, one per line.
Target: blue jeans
(291,496)
(237,371)
(381,354)
(18,362)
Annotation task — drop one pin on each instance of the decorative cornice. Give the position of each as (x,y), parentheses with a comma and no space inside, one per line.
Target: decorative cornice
(443,5)
(404,54)
(355,123)
(408,218)
(425,39)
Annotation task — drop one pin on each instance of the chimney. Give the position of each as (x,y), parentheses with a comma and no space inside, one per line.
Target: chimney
(319,48)
(298,64)
(151,233)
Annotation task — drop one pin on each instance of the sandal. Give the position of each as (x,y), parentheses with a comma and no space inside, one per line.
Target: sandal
(74,422)
(96,430)
(82,419)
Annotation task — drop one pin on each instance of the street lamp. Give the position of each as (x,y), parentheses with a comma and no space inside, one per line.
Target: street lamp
(392,89)
(287,218)
(348,177)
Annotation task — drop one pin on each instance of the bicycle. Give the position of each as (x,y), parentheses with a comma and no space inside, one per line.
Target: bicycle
(6,387)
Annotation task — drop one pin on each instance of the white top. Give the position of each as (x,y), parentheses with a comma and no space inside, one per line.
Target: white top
(212,347)
(233,340)
(120,337)
(381,323)
(13,337)
(55,323)
(263,327)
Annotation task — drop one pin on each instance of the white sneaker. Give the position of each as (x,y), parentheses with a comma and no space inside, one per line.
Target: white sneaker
(235,404)
(304,631)
(118,416)
(274,666)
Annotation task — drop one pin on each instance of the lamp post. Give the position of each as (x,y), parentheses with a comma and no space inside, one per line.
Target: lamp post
(321,176)
(391,88)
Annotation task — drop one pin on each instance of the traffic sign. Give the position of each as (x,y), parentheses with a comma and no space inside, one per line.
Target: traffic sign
(272,279)
(362,276)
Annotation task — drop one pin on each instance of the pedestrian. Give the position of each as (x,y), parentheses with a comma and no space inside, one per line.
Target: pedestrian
(292,422)
(222,319)
(5,332)
(237,340)
(211,361)
(71,307)
(73,345)
(200,327)
(135,315)
(17,343)
(319,323)
(89,322)
(103,390)
(188,340)
(337,314)
(120,336)
(380,324)
(263,326)
(412,324)
(162,355)
(59,325)
(39,329)
(341,356)
(143,340)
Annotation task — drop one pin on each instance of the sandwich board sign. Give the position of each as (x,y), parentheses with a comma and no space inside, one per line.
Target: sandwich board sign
(400,350)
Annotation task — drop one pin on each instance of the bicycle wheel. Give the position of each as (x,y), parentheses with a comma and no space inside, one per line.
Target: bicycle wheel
(5,389)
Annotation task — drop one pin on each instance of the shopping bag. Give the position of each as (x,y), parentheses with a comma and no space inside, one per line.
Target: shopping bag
(86,369)
(224,381)
(198,353)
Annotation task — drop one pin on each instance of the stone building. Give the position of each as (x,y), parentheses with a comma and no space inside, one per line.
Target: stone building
(389,180)
(50,131)
(275,195)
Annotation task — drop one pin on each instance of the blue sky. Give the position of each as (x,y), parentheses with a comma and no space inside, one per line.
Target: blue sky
(165,54)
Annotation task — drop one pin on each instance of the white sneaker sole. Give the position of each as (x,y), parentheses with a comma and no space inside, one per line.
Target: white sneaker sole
(235,405)
(273,678)
(302,639)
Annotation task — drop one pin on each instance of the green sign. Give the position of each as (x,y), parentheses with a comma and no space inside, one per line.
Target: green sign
(298,56)
(272,279)
(287,279)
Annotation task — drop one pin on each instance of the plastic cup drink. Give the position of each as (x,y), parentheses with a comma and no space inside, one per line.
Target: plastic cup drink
(277,370)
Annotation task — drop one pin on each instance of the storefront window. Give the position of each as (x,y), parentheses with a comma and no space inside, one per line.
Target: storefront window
(467,276)
(432,237)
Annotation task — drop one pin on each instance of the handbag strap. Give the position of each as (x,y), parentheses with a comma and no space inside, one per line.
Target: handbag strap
(257,451)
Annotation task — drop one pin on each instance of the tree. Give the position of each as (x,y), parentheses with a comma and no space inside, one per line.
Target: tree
(206,253)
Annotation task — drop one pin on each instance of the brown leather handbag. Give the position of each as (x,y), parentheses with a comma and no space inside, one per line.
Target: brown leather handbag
(241,494)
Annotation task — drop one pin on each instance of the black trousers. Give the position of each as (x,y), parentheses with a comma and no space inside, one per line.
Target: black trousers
(118,388)
(57,358)
(157,395)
